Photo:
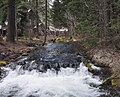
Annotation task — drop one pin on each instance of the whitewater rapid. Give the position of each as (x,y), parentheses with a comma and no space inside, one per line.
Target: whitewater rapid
(68,82)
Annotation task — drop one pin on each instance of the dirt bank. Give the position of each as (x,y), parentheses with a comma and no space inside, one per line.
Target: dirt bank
(107,57)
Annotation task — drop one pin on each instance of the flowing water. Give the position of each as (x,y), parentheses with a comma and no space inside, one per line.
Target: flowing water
(55,70)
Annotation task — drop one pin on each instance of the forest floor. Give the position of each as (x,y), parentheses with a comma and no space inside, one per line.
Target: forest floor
(22,47)
(9,52)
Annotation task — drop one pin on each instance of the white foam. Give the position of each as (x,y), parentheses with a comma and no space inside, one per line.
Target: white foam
(68,83)
(94,67)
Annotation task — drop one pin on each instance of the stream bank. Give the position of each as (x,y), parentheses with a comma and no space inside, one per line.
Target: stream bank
(107,58)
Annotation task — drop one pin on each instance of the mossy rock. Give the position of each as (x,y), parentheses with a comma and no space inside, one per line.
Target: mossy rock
(74,40)
(3,63)
(116,81)
(53,40)
(90,69)
(58,40)
(107,81)
(14,56)
(111,81)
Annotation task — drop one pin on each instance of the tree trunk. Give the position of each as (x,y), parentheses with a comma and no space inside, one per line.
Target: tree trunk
(11,21)
(45,33)
(37,20)
(104,18)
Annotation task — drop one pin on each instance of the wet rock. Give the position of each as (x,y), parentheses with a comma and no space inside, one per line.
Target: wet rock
(3,73)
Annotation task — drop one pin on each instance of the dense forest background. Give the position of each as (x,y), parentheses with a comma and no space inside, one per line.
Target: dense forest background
(94,21)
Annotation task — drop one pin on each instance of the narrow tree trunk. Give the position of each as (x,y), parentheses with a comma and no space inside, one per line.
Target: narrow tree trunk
(105,18)
(37,20)
(45,33)
(100,20)
(11,21)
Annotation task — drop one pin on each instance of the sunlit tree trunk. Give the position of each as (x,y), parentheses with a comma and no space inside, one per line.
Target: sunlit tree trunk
(11,21)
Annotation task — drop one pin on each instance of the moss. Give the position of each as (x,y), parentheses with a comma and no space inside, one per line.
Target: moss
(54,40)
(114,81)
(90,42)
(107,81)
(14,56)
(3,63)
(58,40)
(74,39)
(90,69)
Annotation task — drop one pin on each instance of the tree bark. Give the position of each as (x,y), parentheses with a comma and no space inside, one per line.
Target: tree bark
(104,18)
(37,20)
(11,21)
(45,33)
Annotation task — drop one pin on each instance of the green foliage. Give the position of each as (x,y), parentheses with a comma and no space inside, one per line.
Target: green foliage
(82,16)
(84,26)
(3,11)
(58,12)
(79,10)
(90,42)
(89,17)
(22,7)
(24,36)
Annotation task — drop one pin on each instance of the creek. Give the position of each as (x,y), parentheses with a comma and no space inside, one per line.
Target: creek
(54,70)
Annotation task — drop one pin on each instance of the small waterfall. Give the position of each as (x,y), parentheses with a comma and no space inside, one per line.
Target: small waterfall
(55,70)
(69,82)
